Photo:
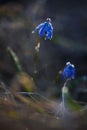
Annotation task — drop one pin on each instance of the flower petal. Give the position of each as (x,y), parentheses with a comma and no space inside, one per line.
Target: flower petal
(49,35)
(45,29)
(38,27)
(69,72)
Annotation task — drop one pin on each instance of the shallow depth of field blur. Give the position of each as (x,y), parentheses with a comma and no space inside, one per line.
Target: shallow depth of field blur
(39,110)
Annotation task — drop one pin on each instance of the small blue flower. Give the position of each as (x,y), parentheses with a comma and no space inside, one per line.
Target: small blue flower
(69,71)
(45,29)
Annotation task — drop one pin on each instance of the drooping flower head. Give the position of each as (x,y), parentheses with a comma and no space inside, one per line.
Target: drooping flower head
(69,71)
(45,29)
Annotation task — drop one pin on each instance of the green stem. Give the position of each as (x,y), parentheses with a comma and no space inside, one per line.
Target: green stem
(14,59)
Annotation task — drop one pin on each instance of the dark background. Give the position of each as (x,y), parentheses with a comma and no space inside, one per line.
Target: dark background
(17,20)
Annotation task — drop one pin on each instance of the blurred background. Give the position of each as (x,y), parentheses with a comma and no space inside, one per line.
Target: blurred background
(69,43)
(69,18)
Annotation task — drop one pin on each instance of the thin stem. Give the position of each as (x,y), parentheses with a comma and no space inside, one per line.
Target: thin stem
(36,59)
(65,84)
(64,92)
(63,102)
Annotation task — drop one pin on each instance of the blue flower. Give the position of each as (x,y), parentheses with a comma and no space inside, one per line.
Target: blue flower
(69,71)
(45,29)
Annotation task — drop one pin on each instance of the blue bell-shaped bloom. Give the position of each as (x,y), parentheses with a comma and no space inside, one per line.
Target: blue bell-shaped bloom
(45,29)
(69,71)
